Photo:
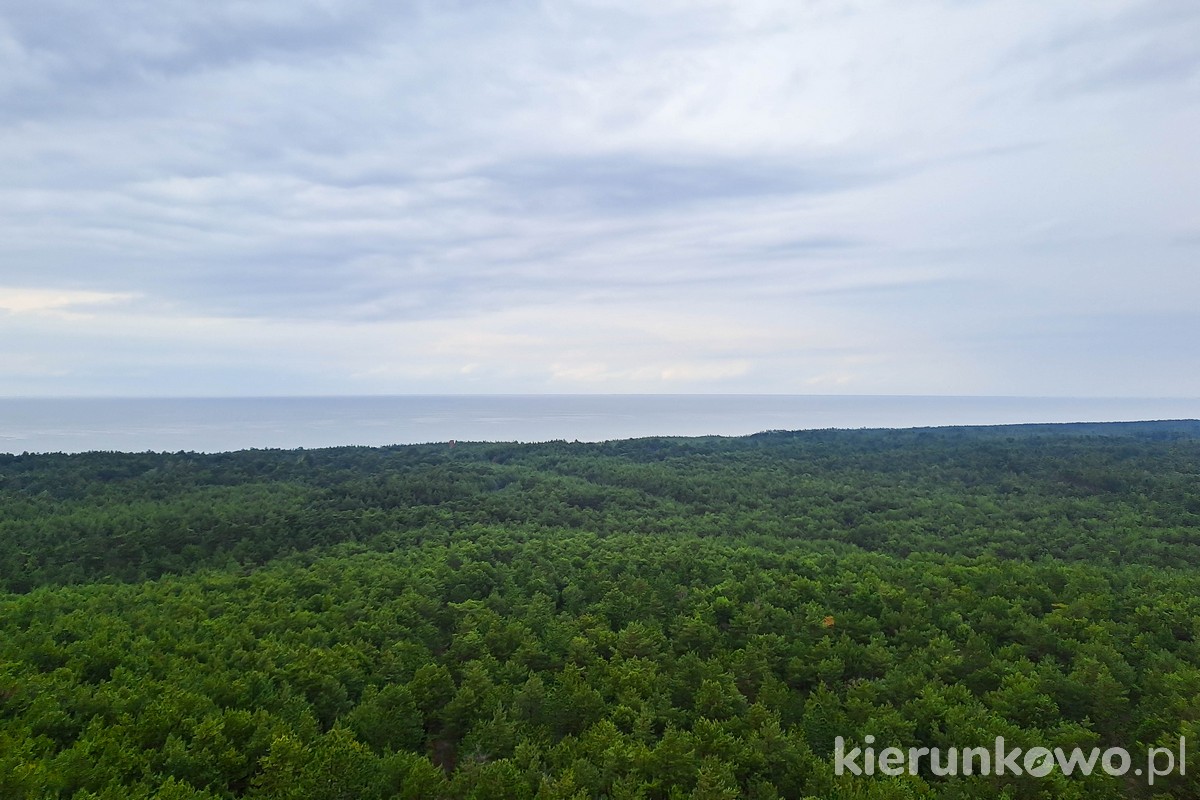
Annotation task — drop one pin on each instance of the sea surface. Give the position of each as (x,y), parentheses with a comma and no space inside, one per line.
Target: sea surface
(222,424)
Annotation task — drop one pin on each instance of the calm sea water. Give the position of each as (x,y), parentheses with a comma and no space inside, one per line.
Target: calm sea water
(213,425)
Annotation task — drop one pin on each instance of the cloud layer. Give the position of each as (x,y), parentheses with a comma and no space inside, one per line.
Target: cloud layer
(345,196)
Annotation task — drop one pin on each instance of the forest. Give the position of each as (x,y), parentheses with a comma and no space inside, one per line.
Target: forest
(658,618)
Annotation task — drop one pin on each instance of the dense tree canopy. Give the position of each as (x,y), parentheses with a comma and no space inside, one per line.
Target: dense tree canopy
(655,618)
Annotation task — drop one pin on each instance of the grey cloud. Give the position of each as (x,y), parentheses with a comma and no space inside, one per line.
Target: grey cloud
(812,245)
(240,64)
(255,246)
(1104,28)
(1145,44)
(126,40)
(633,184)
(1150,65)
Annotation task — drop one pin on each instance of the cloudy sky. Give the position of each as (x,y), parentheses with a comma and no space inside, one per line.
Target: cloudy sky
(995,197)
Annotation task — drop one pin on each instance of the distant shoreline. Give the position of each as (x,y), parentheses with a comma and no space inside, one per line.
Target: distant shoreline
(227,424)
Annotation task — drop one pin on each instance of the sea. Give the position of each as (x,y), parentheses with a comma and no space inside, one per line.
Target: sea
(223,424)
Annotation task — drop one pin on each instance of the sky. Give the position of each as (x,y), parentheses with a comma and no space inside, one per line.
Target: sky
(346,197)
